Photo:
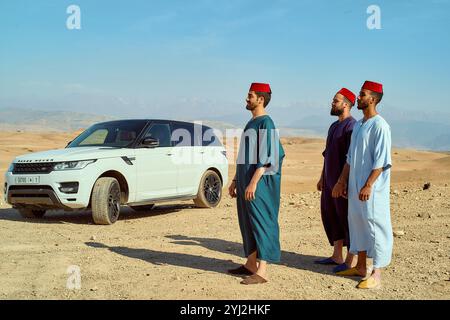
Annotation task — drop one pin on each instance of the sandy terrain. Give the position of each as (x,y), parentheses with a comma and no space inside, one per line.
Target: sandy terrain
(179,252)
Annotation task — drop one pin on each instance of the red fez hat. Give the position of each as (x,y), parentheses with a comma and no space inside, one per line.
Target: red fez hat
(348,94)
(260,87)
(373,86)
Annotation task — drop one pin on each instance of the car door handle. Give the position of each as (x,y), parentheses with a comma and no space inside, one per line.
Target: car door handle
(170,154)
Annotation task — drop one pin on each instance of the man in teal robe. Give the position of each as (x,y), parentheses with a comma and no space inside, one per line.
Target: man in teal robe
(257,188)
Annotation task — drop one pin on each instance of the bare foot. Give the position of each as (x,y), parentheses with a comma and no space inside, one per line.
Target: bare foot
(253,268)
(362,271)
(262,275)
(338,260)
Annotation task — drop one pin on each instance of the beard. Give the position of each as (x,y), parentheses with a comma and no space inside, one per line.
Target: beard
(362,106)
(250,107)
(336,112)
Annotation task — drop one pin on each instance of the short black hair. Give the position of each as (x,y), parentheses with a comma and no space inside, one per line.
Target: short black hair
(265,95)
(348,102)
(377,95)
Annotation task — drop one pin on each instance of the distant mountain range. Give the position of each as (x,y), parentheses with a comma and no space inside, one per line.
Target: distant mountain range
(418,130)
(39,120)
(423,130)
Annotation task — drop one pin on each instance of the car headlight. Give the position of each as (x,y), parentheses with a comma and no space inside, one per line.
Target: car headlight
(11,167)
(72,165)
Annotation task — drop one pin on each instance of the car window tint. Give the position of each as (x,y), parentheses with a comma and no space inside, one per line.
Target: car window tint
(120,133)
(96,137)
(182,134)
(161,132)
(209,138)
(124,136)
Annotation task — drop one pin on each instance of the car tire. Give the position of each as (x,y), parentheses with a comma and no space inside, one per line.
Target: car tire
(143,208)
(209,191)
(106,201)
(31,213)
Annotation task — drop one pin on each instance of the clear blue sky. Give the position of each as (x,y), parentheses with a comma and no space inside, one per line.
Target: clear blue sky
(212,49)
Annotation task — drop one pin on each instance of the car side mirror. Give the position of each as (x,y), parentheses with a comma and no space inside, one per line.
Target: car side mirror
(150,142)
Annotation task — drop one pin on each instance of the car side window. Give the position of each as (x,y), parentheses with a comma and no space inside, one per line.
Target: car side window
(182,134)
(209,138)
(124,137)
(160,131)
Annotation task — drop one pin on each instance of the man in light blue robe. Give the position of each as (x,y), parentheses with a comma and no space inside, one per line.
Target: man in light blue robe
(367,177)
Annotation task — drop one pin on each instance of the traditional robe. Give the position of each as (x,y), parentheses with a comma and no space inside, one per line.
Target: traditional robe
(334,211)
(258,219)
(370,221)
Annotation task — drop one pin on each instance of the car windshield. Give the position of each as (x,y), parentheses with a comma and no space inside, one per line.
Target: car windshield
(119,134)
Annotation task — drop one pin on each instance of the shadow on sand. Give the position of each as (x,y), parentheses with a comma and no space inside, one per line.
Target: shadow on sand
(288,259)
(85,216)
(161,258)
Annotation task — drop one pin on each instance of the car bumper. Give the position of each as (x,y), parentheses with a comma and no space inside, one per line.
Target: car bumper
(46,193)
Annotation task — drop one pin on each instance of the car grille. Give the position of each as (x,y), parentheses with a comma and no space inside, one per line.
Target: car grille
(13,188)
(33,168)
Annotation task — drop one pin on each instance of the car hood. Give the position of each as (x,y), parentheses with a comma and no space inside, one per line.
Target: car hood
(74,154)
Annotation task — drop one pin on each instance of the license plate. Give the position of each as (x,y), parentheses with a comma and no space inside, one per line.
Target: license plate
(27,180)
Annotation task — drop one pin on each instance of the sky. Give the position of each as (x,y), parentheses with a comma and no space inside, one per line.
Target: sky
(148,54)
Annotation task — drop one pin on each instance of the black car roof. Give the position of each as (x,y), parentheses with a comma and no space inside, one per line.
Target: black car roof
(149,120)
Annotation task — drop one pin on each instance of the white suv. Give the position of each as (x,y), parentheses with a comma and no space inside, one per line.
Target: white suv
(127,162)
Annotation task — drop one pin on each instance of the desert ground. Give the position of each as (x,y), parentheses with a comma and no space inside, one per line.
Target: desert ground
(176,251)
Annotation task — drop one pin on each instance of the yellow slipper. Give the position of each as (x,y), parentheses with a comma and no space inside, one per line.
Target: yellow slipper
(369,283)
(352,272)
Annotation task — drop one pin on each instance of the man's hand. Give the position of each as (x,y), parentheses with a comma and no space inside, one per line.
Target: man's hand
(320,184)
(232,189)
(339,190)
(250,192)
(365,192)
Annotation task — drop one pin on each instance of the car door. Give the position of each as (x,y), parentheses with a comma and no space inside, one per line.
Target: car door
(188,149)
(156,172)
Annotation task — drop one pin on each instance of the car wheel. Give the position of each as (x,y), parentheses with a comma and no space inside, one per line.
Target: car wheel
(31,213)
(210,190)
(106,201)
(143,208)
